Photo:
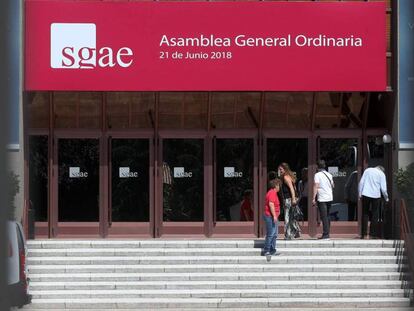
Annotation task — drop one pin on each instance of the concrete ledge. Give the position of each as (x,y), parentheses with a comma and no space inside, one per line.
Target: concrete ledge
(39,268)
(336,284)
(216,276)
(249,309)
(219,293)
(208,243)
(281,259)
(195,303)
(142,252)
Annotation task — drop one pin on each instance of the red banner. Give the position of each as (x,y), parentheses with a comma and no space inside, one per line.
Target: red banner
(183,46)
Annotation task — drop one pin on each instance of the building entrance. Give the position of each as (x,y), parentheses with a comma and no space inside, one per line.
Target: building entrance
(130,186)
(342,160)
(235,191)
(77,178)
(294,152)
(201,186)
(181,186)
(38,186)
(141,164)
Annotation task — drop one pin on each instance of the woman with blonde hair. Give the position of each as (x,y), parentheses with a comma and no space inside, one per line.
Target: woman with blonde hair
(289,200)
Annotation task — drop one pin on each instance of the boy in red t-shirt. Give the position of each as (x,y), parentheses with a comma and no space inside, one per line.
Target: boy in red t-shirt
(271,214)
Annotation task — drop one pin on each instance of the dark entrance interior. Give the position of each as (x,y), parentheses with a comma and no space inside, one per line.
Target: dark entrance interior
(234,185)
(182,183)
(294,152)
(129,188)
(78,183)
(38,186)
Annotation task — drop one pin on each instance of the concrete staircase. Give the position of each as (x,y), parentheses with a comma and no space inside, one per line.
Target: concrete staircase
(205,274)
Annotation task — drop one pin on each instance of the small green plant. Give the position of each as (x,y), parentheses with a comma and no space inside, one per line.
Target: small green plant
(404,179)
(13,190)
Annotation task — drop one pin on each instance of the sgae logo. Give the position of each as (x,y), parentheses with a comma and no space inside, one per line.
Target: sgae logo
(73,46)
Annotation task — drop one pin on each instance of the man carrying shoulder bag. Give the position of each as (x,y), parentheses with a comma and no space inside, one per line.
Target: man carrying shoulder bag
(323,194)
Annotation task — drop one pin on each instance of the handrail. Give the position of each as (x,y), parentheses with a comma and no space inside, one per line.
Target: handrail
(407,235)
(405,223)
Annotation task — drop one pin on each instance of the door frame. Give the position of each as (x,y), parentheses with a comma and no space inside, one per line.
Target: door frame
(155,208)
(343,227)
(310,225)
(181,229)
(390,167)
(82,229)
(238,229)
(41,228)
(128,229)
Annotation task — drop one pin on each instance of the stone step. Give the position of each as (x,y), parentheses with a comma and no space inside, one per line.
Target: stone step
(206,274)
(29,308)
(196,303)
(140,252)
(281,259)
(217,293)
(219,276)
(174,244)
(269,284)
(38,269)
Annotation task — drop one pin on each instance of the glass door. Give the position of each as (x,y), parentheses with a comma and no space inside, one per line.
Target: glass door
(38,216)
(378,153)
(129,186)
(181,186)
(341,156)
(235,195)
(294,152)
(78,193)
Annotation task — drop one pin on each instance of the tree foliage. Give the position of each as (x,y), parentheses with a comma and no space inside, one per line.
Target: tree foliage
(13,190)
(404,179)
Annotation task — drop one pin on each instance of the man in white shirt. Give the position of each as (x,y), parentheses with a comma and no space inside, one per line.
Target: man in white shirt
(372,184)
(323,193)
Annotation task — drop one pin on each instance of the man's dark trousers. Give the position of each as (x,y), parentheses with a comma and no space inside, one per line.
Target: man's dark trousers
(373,205)
(324,208)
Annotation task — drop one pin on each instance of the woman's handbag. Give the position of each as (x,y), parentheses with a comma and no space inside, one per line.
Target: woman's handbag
(297,212)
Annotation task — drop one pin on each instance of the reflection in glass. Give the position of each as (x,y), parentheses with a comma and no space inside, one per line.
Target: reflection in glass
(130,109)
(130,180)
(77,109)
(235,109)
(379,109)
(65,107)
(38,106)
(182,110)
(341,159)
(287,109)
(340,110)
(293,151)
(183,179)
(78,179)
(376,151)
(234,179)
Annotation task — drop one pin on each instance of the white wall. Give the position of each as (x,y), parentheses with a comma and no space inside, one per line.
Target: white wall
(405,157)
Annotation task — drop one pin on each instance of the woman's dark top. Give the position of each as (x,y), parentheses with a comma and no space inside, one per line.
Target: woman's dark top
(285,191)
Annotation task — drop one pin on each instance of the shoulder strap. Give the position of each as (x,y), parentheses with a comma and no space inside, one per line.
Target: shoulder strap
(330,182)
